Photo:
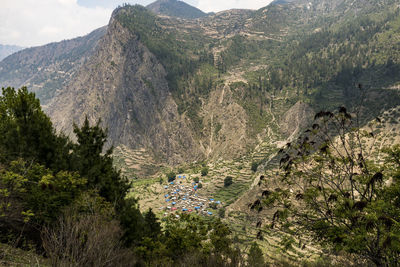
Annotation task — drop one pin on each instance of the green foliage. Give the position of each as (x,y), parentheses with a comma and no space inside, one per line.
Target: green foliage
(228,181)
(341,196)
(41,172)
(196,179)
(51,192)
(254,165)
(185,235)
(171,176)
(204,171)
(255,257)
(188,236)
(27,132)
(221,213)
(177,9)
(35,190)
(88,160)
(219,238)
(132,222)
(152,226)
(213,205)
(162,43)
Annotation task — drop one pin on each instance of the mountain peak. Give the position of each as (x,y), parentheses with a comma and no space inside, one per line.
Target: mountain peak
(6,50)
(175,8)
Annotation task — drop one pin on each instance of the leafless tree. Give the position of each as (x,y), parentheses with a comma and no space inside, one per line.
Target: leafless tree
(88,238)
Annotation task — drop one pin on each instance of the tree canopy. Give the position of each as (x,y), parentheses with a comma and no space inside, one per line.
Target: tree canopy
(338,190)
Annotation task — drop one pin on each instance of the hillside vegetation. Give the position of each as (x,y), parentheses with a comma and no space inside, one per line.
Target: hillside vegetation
(287,116)
(176,9)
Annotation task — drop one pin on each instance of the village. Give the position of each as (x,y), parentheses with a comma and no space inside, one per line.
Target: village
(182,195)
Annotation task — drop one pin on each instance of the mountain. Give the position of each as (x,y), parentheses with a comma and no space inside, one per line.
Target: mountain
(229,92)
(6,50)
(125,85)
(220,86)
(282,2)
(175,8)
(46,69)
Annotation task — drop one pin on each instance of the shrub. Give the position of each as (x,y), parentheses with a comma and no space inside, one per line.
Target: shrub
(254,166)
(255,257)
(204,171)
(171,176)
(85,235)
(228,181)
(221,212)
(342,197)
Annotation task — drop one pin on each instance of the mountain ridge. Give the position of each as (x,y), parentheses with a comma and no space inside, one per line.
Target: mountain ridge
(223,73)
(175,8)
(47,69)
(6,50)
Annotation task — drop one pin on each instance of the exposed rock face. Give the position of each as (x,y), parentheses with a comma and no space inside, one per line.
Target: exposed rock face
(226,124)
(296,118)
(124,85)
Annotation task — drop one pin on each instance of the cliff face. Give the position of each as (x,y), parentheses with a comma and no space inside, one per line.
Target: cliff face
(124,85)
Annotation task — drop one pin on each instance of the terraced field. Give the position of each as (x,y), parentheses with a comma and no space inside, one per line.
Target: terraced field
(247,225)
(135,163)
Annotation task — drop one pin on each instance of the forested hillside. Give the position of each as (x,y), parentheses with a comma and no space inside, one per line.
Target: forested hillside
(175,8)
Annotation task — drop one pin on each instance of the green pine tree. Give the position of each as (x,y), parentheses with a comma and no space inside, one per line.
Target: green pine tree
(255,256)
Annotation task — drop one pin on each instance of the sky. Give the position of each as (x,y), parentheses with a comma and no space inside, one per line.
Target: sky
(37,22)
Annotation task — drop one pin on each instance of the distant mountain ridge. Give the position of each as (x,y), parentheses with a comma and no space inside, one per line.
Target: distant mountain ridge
(6,50)
(175,8)
(46,69)
(281,2)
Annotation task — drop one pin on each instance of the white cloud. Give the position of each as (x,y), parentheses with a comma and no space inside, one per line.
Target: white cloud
(37,22)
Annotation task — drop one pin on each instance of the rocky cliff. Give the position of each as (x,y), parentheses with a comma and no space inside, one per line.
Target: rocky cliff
(125,86)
